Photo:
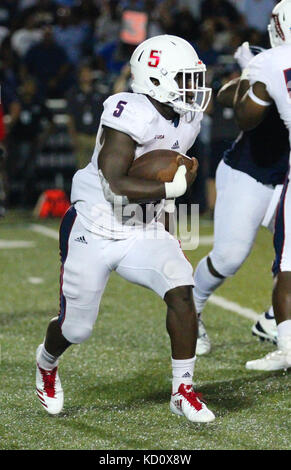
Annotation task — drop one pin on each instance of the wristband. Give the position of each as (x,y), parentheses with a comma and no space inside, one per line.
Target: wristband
(256,99)
(179,184)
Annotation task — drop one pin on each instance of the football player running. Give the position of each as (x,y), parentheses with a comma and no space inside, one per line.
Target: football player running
(269,81)
(246,179)
(164,111)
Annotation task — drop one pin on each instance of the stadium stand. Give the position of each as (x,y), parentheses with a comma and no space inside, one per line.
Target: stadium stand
(44,44)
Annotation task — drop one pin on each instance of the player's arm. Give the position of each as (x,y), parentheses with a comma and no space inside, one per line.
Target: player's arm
(251,104)
(226,93)
(115,159)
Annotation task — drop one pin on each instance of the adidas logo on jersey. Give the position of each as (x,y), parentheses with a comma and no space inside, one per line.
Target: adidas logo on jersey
(81,240)
(176,145)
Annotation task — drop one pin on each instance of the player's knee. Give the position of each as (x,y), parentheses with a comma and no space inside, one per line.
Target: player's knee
(228,260)
(76,333)
(180,299)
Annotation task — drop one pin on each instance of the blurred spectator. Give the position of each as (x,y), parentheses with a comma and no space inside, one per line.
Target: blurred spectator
(24,4)
(220,11)
(48,63)
(185,25)
(167,10)
(205,44)
(8,78)
(154,27)
(8,10)
(107,26)
(85,106)
(4,31)
(70,33)
(88,11)
(193,7)
(106,38)
(49,39)
(31,123)
(257,13)
(122,83)
(23,39)
(44,11)
(67,3)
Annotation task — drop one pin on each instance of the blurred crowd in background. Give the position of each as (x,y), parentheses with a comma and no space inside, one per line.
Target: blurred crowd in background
(60,59)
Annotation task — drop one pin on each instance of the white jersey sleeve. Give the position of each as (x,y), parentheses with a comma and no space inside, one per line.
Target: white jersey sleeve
(124,112)
(257,70)
(273,67)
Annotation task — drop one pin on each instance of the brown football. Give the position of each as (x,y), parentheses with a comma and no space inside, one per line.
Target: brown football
(159,165)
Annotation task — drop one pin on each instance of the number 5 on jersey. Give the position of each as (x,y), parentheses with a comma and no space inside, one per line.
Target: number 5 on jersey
(119,108)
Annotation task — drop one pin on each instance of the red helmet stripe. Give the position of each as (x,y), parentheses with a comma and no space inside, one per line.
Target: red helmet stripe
(278,27)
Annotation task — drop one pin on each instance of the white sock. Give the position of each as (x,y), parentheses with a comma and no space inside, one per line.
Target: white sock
(284,334)
(271,311)
(183,370)
(45,360)
(204,284)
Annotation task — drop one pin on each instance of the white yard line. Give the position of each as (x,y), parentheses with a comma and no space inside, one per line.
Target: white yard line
(233,307)
(214,299)
(7,244)
(35,280)
(43,230)
(206,240)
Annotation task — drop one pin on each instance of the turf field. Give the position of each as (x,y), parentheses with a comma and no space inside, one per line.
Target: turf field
(117,385)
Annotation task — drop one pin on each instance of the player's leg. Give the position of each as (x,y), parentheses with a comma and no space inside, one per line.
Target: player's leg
(281,358)
(83,278)
(240,207)
(181,323)
(161,266)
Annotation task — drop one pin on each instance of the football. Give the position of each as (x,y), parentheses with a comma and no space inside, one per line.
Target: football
(160,165)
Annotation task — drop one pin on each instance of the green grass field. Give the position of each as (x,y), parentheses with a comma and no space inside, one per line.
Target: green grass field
(117,385)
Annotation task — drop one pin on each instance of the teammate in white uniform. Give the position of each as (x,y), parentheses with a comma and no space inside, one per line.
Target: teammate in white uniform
(269,81)
(164,112)
(246,178)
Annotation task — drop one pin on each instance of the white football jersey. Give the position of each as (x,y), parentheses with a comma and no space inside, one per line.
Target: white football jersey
(136,116)
(273,67)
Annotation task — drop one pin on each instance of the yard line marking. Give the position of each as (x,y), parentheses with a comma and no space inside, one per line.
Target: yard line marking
(206,240)
(35,280)
(7,244)
(49,232)
(233,307)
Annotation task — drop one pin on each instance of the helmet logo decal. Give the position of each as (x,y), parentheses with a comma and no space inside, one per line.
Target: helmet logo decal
(154,58)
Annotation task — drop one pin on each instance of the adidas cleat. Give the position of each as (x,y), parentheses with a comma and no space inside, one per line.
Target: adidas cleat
(266,328)
(203,345)
(49,389)
(187,403)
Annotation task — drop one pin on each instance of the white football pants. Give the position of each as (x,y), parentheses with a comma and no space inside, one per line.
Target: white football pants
(240,207)
(88,259)
(282,237)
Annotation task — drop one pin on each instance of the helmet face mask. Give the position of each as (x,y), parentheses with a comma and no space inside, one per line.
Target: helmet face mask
(193,94)
(168,69)
(280,24)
